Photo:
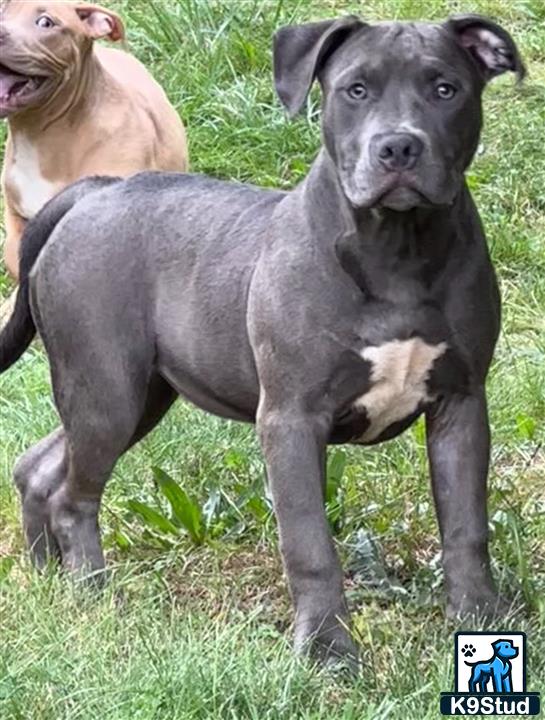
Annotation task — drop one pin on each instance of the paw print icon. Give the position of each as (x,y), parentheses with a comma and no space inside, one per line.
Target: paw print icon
(468,650)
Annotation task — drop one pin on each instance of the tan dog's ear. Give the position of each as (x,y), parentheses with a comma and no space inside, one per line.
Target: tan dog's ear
(101,23)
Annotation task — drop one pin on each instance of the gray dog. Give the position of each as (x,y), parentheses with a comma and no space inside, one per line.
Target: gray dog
(338,312)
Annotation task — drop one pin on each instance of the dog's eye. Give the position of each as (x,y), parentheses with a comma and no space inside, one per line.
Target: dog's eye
(445,91)
(44,21)
(357,91)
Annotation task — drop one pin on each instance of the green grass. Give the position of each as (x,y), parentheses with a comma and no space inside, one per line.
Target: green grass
(203,632)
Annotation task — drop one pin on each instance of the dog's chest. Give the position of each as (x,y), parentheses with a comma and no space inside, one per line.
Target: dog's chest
(399,371)
(25,180)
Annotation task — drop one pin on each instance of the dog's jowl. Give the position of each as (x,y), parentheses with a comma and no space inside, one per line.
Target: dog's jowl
(338,312)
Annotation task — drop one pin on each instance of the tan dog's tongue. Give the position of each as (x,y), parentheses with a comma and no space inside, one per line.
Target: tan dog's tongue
(7,82)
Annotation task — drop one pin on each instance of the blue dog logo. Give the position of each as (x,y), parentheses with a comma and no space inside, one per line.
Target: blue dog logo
(490,687)
(498,669)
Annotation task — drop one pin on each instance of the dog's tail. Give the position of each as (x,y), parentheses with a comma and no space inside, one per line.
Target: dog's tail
(20,329)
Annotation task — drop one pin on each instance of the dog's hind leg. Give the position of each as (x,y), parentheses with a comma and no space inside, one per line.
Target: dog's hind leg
(37,475)
(40,471)
(108,421)
(65,475)
(473,680)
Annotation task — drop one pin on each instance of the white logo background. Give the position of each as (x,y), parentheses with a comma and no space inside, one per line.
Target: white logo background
(482,642)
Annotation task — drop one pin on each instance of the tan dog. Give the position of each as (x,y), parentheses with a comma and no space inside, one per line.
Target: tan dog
(74,108)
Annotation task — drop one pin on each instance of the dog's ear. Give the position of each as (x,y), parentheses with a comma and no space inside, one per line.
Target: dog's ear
(492,48)
(101,23)
(299,53)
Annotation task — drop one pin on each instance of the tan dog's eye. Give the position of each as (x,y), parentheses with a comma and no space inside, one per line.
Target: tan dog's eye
(44,21)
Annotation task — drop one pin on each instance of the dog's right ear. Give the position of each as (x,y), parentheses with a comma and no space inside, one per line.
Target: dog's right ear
(100,22)
(299,53)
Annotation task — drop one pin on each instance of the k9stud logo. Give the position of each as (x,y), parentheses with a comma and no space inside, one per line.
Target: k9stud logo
(490,676)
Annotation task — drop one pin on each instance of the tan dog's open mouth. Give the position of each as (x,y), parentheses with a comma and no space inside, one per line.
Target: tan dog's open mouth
(16,90)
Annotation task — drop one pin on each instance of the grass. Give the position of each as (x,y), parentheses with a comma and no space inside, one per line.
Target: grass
(187,631)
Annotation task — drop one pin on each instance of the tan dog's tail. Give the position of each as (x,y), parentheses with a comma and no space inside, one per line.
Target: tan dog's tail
(20,329)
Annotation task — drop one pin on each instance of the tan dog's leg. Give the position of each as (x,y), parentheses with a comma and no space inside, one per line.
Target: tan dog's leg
(15,226)
(6,309)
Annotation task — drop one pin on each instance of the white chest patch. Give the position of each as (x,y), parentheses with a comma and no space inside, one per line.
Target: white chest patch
(32,189)
(399,372)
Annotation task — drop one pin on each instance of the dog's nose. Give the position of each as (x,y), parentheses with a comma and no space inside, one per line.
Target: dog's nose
(397,151)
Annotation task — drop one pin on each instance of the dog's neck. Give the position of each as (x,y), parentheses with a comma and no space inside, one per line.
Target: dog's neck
(72,100)
(411,246)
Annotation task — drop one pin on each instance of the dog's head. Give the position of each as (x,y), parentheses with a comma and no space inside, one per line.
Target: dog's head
(43,44)
(401,111)
(505,649)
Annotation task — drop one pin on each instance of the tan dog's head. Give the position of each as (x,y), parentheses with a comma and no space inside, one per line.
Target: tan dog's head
(43,44)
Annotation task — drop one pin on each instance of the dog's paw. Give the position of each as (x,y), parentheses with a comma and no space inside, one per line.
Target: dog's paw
(468,650)
(478,608)
(327,640)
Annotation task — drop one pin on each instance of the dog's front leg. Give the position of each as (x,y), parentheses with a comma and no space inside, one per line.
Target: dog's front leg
(294,445)
(458,438)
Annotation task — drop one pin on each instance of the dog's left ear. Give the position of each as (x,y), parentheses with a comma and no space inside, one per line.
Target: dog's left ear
(299,53)
(491,46)
(101,23)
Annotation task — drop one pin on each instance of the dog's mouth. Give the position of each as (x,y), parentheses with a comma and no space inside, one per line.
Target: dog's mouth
(397,191)
(400,192)
(17,90)
(402,198)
